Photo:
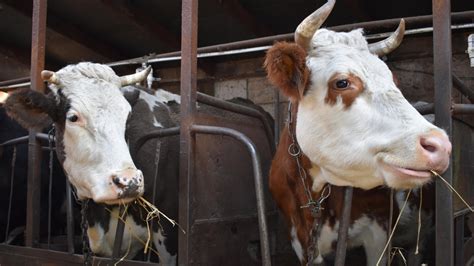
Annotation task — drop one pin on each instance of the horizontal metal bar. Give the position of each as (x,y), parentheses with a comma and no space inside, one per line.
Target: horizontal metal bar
(425,109)
(163,132)
(241,109)
(24,139)
(463,211)
(463,109)
(463,88)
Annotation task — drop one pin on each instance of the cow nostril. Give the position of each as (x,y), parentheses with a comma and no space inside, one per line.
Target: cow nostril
(429,145)
(117,182)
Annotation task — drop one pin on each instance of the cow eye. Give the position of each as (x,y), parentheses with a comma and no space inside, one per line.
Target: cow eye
(342,84)
(73,118)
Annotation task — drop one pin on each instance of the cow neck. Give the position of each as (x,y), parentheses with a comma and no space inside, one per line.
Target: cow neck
(303,163)
(315,206)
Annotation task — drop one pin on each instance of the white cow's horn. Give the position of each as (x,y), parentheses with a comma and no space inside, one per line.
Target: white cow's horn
(305,31)
(384,47)
(50,77)
(135,78)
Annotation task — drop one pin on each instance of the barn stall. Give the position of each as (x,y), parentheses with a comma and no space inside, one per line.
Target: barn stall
(234,69)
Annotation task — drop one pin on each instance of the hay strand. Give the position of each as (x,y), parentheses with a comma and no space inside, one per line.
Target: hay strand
(452,190)
(394,228)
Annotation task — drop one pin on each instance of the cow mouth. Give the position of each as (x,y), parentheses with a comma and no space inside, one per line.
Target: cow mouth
(406,172)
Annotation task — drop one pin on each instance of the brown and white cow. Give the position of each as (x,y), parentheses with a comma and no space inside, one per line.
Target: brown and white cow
(354,128)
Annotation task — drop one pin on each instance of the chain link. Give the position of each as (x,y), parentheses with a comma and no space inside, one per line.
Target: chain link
(315,206)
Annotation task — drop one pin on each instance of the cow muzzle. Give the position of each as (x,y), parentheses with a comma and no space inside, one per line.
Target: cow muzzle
(435,150)
(128,183)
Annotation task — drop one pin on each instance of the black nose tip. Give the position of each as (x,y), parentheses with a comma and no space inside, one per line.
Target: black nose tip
(117,182)
(130,191)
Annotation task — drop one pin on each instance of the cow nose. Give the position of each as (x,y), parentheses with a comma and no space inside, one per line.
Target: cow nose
(436,148)
(129,181)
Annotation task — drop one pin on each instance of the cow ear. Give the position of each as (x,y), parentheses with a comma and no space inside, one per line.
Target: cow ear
(31,109)
(286,68)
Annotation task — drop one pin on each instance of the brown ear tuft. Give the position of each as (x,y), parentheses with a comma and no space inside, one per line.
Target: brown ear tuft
(286,68)
(29,108)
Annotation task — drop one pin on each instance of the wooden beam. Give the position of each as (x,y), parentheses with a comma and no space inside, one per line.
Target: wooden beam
(143,20)
(235,9)
(74,45)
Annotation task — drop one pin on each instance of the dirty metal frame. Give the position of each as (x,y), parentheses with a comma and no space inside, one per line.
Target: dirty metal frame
(189,97)
(38,42)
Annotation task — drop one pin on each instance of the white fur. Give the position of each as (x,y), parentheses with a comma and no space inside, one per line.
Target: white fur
(103,244)
(296,244)
(165,257)
(379,128)
(363,232)
(95,145)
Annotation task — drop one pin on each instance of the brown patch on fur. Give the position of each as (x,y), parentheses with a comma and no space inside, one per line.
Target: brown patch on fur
(348,94)
(288,192)
(286,68)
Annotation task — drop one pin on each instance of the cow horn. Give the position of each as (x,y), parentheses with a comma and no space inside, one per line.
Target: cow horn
(50,77)
(305,31)
(135,78)
(384,47)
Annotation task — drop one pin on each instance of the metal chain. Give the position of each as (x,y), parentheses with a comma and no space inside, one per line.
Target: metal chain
(312,252)
(86,250)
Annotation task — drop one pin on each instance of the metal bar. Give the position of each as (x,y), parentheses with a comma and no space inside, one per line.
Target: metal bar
(237,108)
(463,88)
(119,232)
(69,219)
(343,228)
(38,40)
(10,195)
(425,109)
(17,255)
(257,171)
(459,241)
(462,109)
(443,83)
(162,132)
(372,26)
(189,21)
(14,81)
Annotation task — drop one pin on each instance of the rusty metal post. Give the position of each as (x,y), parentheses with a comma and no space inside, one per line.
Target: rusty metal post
(189,20)
(38,40)
(344,227)
(443,87)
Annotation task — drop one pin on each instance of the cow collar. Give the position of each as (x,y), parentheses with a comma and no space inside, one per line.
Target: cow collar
(315,206)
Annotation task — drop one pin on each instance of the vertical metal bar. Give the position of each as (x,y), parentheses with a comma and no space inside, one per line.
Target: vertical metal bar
(34,149)
(119,232)
(443,84)
(258,182)
(10,196)
(343,227)
(69,219)
(189,20)
(459,243)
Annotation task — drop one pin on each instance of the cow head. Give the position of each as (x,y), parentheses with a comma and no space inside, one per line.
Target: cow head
(353,123)
(90,114)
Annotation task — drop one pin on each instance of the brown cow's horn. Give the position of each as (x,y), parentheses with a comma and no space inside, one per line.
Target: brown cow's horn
(305,31)
(384,47)
(50,77)
(135,78)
